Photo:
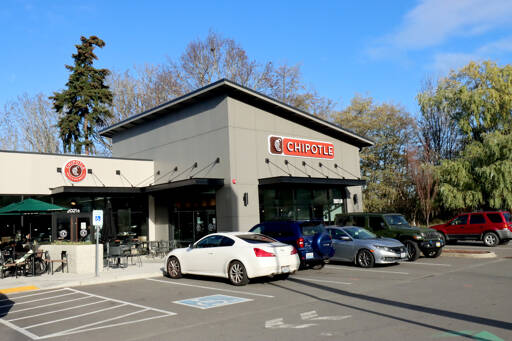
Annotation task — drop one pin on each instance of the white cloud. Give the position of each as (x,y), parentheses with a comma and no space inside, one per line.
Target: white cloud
(444,62)
(433,22)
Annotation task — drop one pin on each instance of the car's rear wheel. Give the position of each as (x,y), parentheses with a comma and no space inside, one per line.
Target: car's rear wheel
(318,266)
(365,259)
(491,239)
(237,273)
(174,268)
(433,253)
(413,251)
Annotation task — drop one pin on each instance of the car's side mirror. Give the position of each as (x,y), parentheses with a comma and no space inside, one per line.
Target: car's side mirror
(190,246)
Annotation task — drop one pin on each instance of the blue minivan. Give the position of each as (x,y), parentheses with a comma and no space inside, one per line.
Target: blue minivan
(310,238)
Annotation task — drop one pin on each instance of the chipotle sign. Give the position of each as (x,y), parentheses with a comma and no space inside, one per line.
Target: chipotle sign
(75,170)
(292,146)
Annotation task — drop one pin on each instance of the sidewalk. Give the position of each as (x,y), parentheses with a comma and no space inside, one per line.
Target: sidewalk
(151,267)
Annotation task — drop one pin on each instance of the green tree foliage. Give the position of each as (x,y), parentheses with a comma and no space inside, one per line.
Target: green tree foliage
(84,105)
(384,165)
(480,177)
(478,97)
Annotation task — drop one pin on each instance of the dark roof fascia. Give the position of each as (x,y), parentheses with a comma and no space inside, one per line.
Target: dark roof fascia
(73,155)
(249,96)
(95,190)
(194,182)
(295,180)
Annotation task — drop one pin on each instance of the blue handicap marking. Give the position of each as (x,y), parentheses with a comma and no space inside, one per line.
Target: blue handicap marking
(212,301)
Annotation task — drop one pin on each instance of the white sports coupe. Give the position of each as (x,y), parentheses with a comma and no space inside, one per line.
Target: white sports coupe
(237,256)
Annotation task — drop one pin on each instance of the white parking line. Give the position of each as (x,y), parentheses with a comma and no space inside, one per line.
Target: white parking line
(366,270)
(37,294)
(433,264)
(56,311)
(320,280)
(39,299)
(91,326)
(47,305)
(75,316)
(210,288)
(65,332)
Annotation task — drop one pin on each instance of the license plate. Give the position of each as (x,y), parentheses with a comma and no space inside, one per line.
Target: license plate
(309,255)
(285,269)
(438,244)
(403,255)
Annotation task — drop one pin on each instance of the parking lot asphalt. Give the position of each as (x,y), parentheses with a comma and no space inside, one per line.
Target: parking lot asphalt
(430,299)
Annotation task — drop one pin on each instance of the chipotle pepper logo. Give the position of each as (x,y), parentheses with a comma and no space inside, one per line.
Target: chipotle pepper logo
(75,170)
(300,148)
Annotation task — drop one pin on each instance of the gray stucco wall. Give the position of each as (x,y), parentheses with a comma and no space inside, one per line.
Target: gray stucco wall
(237,133)
(249,128)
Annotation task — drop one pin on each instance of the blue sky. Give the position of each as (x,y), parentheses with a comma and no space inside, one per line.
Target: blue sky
(383,49)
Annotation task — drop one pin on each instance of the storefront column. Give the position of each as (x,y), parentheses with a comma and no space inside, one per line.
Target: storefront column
(151,218)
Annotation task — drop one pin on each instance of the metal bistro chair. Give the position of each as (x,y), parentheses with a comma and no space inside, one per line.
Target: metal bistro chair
(135,253)
(163,248)
(153,248)
(115,256)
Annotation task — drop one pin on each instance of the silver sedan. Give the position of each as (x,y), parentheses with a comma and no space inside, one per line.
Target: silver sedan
(356,244)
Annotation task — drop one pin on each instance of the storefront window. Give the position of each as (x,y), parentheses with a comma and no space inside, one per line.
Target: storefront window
(300,203)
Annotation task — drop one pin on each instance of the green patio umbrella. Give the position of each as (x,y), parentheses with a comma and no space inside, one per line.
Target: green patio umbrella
(28,206)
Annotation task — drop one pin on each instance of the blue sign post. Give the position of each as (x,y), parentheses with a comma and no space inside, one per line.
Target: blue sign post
(97,221)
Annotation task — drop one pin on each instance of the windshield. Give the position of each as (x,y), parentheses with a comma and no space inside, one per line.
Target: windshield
(359,233)
(507,217)
(310,229)
(256,238)
(396,219)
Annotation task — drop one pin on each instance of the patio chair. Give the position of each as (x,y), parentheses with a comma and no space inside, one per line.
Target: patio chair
(63,261)
(153,248)
(18,266)
(163,248)
(115,256)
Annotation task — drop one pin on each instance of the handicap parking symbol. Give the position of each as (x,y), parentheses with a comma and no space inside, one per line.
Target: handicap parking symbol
(212,301)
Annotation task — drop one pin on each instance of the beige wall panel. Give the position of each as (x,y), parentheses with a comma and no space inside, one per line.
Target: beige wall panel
(31,173)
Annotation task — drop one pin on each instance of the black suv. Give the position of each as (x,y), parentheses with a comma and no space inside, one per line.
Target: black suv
(311,239)
(394,225)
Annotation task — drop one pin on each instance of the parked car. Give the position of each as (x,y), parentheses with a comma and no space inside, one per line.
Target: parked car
(394,225)
(310,238)
(492,228)
(238,256)
(358,245)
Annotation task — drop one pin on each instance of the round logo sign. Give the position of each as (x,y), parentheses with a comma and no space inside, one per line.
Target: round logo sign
(63,233)
(75,170)
(83,233)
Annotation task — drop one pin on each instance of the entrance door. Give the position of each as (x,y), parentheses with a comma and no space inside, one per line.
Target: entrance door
(67,226)
(190,226)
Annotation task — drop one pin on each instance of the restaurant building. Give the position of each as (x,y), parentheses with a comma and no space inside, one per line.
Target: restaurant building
(222,158)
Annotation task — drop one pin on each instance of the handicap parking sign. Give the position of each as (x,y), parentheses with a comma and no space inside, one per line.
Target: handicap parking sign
(212,301)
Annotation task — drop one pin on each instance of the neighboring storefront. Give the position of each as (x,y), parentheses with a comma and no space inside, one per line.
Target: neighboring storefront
(221,158)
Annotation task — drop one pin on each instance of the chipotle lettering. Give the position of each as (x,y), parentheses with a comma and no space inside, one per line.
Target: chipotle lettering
(301,148)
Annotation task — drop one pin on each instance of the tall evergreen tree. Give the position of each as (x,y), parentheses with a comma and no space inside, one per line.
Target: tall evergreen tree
(84,105)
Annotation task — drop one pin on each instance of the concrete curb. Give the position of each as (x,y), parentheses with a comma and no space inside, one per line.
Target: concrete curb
(468,253)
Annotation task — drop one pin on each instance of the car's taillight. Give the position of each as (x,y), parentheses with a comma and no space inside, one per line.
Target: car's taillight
(300,242)
(263,253)
(294,251)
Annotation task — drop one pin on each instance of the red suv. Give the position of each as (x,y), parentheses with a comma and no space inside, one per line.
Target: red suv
(492,228)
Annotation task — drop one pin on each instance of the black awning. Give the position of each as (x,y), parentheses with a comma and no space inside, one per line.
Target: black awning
(95,190)
(188,183)
(295,180)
